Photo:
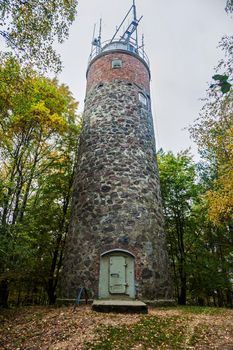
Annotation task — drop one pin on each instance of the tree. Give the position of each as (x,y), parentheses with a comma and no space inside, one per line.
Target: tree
(229,6)
(213,133)
(30,27)
(200,253)
(38,140)
(179,191)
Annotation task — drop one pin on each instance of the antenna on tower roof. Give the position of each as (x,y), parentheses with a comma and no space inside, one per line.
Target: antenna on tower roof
(93,36)
(96,41)
(131,28)
(100,32)
(125,37)
(134,8)
(135,19)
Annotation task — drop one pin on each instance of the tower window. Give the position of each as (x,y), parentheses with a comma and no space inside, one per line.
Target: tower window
(142,99)
(116,63)
(100,85)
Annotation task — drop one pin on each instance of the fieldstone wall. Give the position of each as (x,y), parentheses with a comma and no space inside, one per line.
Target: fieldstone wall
(116,200)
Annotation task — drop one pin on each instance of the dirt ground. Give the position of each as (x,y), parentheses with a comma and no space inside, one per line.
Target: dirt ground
(47,328)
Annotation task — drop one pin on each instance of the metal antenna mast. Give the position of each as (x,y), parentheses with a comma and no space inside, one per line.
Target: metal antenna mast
(131,28)
(135,19)
(100,33)
(93,38)
(125,36)
(96,42)
(118,28)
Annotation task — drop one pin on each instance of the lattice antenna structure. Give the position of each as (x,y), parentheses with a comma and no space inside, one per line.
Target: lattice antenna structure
(125,37)
(131,29)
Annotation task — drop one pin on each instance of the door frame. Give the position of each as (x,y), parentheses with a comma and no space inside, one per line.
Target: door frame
(104,292)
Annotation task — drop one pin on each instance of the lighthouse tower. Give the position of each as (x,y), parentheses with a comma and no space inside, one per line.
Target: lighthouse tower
(116,242)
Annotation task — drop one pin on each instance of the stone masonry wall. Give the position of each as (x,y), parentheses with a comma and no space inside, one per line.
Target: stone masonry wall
(116,200)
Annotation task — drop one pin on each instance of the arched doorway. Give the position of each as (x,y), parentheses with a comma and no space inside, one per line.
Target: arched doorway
(117,274)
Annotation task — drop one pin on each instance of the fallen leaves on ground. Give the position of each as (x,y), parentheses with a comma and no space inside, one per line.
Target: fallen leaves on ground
(47,328)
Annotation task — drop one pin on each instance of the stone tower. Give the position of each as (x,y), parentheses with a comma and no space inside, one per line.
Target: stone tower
(116,242)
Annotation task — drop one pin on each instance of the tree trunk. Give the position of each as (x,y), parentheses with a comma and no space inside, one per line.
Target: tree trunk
(4,293)
(220,298)
(229,296)
(181,259)
(58,251)
(51,291)
(183,289)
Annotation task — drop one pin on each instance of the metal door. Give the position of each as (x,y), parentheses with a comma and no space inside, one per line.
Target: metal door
(117,278)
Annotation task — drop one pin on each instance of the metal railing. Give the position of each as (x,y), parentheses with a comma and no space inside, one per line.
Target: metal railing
(119,45)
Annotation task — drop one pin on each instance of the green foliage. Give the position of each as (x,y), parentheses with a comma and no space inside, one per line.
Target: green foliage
(151,332)
(39,133)
(31,27)
(179,194)
(221,78)
(201,310)
(222,82)
(200,253)
(177,176)
(213,133)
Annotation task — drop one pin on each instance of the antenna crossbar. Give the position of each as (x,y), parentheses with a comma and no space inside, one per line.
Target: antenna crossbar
(130,30)
(126,39)
(118,29)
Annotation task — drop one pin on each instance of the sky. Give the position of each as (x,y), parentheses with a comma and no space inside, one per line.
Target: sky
(181,39)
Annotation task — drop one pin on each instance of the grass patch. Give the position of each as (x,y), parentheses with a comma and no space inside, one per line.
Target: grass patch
(207,310)
(151,333)
(199,333)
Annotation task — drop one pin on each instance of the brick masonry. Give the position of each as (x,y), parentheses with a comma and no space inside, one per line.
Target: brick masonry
(133,70)
(116,199)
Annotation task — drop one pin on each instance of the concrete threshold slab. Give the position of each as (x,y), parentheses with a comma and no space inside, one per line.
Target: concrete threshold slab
(114,305)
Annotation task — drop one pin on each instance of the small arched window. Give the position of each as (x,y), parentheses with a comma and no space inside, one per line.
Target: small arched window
(100,85)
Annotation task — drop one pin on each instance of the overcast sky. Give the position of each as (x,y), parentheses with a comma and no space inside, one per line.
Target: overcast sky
(181,39)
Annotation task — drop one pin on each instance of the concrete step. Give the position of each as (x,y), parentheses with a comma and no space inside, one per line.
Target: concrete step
(125,306)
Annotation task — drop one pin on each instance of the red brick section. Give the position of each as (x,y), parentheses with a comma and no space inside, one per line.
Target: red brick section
(132,70)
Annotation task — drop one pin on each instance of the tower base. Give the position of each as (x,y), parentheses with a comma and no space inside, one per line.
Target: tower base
(125,306)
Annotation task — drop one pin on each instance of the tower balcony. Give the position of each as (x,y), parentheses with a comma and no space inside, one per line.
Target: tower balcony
(119,45)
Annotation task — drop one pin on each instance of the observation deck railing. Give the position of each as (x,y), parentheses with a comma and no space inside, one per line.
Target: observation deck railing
(119,45)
